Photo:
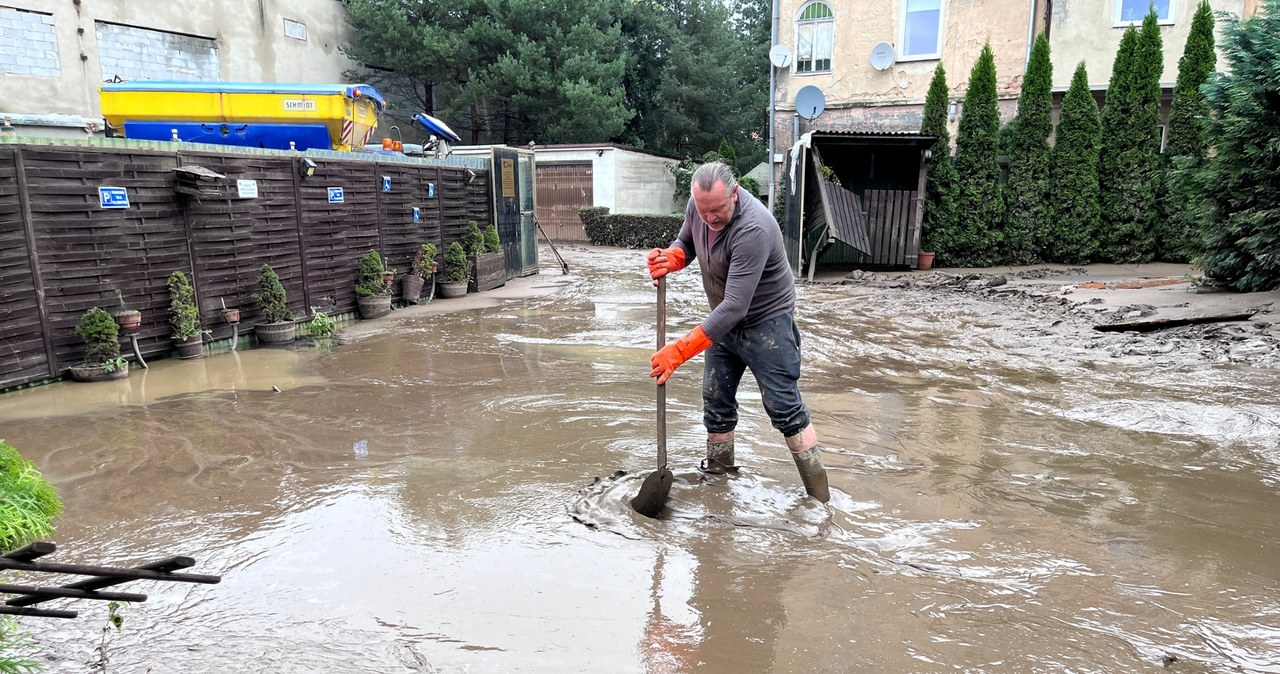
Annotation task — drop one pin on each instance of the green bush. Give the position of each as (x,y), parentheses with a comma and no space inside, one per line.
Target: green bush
(940,190)
(1027,220)
(751,185)
(1238,190)
(979,200)
(101,336)
(321,324)
(422,261)
(457,268)
(473,239)
(183,314)
(370,283)
(28,503)
(272,303)
(1073,169)
(630,231)
(492,244)
(1186,143)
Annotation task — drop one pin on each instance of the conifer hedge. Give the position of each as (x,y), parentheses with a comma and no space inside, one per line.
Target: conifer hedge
(939,213)
(1028,204)
(1073,171)
(979,203)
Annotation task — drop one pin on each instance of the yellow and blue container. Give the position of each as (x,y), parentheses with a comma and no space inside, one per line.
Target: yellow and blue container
(321,116)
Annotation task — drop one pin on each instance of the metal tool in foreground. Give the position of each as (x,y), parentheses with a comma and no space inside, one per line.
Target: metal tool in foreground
(657,486)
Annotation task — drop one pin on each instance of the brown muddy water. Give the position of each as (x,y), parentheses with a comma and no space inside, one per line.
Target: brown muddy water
(413,501)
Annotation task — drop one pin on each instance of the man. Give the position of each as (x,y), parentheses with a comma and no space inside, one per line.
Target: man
(751,324)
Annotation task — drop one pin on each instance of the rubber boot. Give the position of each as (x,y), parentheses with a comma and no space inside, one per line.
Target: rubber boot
(719,458)
(812,473)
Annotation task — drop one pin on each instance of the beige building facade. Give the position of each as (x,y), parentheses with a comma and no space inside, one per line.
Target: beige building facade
(1090,31)
(874,70)
(55,53)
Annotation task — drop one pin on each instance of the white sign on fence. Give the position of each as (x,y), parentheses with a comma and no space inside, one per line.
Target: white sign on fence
(248,189)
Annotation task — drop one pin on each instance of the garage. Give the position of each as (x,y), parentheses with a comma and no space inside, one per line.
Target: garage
(562,190)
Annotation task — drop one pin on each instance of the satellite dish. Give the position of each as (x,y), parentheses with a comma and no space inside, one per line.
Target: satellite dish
(882,56)
(780,56)
(810,102)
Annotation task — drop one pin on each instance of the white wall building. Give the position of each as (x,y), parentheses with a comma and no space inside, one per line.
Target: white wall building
(55,53)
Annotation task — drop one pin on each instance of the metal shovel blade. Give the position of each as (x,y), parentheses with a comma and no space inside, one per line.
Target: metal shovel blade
(653,493)
(655,488)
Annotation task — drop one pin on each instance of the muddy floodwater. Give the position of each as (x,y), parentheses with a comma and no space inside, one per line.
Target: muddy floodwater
(442,496)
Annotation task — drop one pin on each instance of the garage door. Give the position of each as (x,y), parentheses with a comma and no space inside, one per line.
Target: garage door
(562,190)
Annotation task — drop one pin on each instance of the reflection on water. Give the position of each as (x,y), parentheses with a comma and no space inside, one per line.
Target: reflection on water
(415,501)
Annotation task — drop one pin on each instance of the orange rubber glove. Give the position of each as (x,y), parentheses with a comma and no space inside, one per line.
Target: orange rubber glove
(677,353)
(663,261)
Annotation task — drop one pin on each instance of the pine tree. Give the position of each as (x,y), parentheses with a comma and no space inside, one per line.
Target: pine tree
(1073,172)
(979,203)
(1240,185)
(1028,216)
(1185,143)
(1128,169)
(940,207)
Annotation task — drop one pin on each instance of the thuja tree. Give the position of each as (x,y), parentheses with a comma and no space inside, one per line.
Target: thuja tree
(1240,184)
(1028,216)
(1072,231)
(939,208)
(1129,163)
(1185,142)
(979,204)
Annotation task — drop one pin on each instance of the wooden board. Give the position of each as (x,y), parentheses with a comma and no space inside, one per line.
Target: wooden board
(1173,319)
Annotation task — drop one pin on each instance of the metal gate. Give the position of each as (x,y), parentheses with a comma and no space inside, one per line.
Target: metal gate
(562,190)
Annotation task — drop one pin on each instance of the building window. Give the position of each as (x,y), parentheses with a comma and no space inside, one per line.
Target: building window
(921,30)
(28,44)
(295,29)
(1131,12)
(815,35)
(127,53)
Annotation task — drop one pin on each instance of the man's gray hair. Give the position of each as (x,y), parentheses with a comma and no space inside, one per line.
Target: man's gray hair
(714,172)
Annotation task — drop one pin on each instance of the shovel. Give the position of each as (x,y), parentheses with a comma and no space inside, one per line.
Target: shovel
(655,488)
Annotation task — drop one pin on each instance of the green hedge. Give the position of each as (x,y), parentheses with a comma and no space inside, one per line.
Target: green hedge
(629,231)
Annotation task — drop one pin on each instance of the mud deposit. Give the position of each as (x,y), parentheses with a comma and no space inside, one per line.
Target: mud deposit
(444,496)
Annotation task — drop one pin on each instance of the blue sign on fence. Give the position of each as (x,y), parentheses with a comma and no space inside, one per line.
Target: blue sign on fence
(336,195)
(386,183)
(431,190)
(417,214)
(113,197)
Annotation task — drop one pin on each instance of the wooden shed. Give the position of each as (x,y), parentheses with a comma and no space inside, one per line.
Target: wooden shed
(857,200)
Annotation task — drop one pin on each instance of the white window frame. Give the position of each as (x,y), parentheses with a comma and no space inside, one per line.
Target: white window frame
(1119,9)
(902,33)
(830,21)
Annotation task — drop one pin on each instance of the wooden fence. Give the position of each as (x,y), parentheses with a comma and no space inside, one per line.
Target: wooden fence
(62,253)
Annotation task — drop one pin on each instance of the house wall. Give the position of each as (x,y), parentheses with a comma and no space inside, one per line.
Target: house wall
(47,67)
(888,94)
(1085,30)
(643,183)
(622,181)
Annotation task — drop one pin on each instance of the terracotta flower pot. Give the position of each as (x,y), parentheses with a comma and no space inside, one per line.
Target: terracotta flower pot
(232,315)
(924,261)
(129,319)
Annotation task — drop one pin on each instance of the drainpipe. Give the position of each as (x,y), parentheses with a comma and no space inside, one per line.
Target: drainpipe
(773,109)
(1031,33)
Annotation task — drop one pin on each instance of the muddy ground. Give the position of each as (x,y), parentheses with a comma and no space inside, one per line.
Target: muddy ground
(1074,302)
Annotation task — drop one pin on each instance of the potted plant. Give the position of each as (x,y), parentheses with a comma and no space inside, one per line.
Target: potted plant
(102,359)
(184,316)
(276,326)
(423,268)
(488,265)
(457,272)
(128,319)
(373,292)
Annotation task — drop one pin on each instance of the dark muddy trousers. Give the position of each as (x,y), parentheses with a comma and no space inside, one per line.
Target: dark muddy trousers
(772,351)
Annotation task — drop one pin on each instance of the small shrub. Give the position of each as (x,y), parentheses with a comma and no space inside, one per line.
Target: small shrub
(457,269)
(371,275)
(750,184)
(630,231)
(183,314)
(321,324)
(492,244)
(422,261)
(271,300)
(473,240)
(101,337)
(28,502)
